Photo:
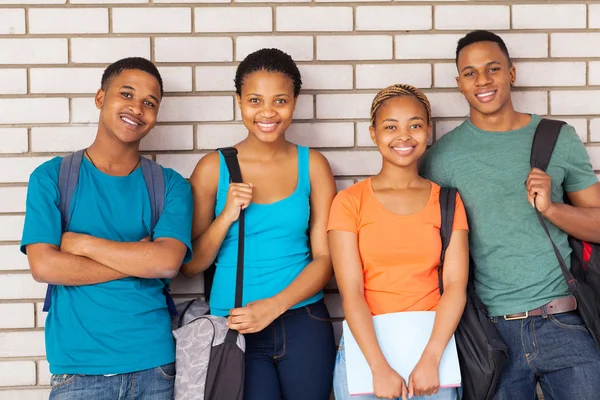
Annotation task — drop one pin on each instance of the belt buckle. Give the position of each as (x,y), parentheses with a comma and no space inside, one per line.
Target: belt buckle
(517,318)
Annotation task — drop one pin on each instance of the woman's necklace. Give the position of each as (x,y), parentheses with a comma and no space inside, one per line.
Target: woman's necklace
(92,161)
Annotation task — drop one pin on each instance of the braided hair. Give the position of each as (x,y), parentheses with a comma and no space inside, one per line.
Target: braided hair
(397,91)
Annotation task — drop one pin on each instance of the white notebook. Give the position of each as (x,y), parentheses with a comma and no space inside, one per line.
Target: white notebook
(402,337)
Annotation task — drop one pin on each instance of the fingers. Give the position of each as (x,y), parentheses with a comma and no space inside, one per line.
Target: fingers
(411,387)
(146,239)
(240,194)
(405,392)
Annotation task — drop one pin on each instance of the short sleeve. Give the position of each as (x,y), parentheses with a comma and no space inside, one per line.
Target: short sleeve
(42,215)
(176,219)
(460,215)
(343,215)
(431,167)
(579,174)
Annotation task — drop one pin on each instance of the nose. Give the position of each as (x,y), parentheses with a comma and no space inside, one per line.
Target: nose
(136,108)
(483,79)
(267,110)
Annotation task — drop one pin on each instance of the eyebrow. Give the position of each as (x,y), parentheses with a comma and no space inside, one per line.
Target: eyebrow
(487,65)
(133,89)
(416,117)
(260,95)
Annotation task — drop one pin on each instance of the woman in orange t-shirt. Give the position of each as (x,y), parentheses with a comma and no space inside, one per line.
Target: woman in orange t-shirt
(384,239)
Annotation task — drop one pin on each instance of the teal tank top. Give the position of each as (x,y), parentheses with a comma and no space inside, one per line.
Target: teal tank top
(276,244)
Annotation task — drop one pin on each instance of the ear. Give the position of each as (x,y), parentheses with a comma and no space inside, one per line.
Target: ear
(372,133)
(513,73)
(458,83)
(99,99)
(239,100)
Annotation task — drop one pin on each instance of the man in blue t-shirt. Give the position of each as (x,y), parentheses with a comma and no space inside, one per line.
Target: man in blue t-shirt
(108,330)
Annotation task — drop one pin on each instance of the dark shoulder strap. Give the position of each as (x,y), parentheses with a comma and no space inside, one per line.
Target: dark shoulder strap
(233,165)
(155,182)
(544,140)
(447,208)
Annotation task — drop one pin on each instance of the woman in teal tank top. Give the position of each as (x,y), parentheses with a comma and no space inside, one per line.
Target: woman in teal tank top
(287,193)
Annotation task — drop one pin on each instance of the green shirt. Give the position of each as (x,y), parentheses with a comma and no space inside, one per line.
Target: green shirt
(516,268)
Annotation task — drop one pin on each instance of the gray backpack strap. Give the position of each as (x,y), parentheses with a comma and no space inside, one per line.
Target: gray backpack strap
(155,182)
(68,176)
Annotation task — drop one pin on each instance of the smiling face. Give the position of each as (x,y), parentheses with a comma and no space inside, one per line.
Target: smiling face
(129,105)
(485,75)
(267,104)
(401,130)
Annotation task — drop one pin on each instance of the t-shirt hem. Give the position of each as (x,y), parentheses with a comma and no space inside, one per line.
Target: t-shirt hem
(221,312)
(49,241)
(120,369)
(582,185)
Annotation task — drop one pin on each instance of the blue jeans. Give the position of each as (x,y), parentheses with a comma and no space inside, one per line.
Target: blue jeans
(557,351)
(340,384)
(151,384)
(292,358)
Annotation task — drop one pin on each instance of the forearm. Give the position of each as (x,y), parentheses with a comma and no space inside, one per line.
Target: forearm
(312,279)
(447,316)
(580,222)
(206,247)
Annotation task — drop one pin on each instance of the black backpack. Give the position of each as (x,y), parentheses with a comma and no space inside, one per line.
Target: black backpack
(482,354)
(583,278)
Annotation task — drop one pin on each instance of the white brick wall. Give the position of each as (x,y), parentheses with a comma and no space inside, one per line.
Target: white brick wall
(53,52)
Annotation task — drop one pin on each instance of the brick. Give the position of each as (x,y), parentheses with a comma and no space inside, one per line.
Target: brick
(213,136)
(43,370)
(13,140)
(17,373)
(34,110)
(12,258)
(531,102)
(465,17)
(108,50)
(14,316)
(575,102)
(333,301)
(555,16)
(323,77)
(29,394)
(22,344)
(65,80)
(83,110)
(272,1)
(448,105)
(323,134)
(151,20)
(314,19)
(176,79)
(594,73)
(575,44)
(215,78)
(33,51)
(300,48)
(19,286)
(355,47)
(23,2)
(169,137)
(18,169)
(595,130)
(61,139)
(233,19)
(354,163)
(13,81)
(594,153)
(378,76)
(363,136)
(344,106)
(110,1)
(444,75)
(182,163)
(304,107)
(208,108)
(12,199)
(341,184)
(12,21)
(40,315)
(11,228)
(580,125)
(393,18)
(551,74)
(183,285)
(443,127)
(594,16)
(68,20)
(426,46)
(193,49)
(526,45)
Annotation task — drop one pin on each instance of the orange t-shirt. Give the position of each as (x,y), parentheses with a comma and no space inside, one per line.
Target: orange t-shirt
(400,254)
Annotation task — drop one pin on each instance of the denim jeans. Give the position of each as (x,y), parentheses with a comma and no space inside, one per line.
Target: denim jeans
(292,358)
(340,384)
(151,384)
(557,351)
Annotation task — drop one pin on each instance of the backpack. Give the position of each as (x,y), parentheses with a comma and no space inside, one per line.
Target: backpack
(209,355)
(482,354)
(68,177)
(583,278)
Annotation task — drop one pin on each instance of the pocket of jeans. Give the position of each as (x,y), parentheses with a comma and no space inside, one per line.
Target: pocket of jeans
(167,371)
(570,320)
(318,312)
(60,380)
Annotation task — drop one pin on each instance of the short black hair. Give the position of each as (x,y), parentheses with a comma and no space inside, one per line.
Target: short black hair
(138,63)
(270,60)
(481,36)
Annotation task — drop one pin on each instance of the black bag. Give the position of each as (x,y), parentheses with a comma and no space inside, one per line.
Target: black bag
(482,353)
(583,278)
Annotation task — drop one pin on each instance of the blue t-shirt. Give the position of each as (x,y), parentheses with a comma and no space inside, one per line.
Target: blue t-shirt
(119,326)
(276,246)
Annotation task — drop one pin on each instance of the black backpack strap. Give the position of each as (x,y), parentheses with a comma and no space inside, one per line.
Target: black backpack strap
(544,140)
(447,208)
(235,174)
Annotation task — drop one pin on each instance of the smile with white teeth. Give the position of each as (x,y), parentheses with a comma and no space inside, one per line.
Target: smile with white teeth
(130,122)
(262,125)
(403,148)
(485,94)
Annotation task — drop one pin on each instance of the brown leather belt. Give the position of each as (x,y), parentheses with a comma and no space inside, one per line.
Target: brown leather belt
(556,306)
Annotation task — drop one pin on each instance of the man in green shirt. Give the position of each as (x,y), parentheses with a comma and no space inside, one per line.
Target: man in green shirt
(517,274)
